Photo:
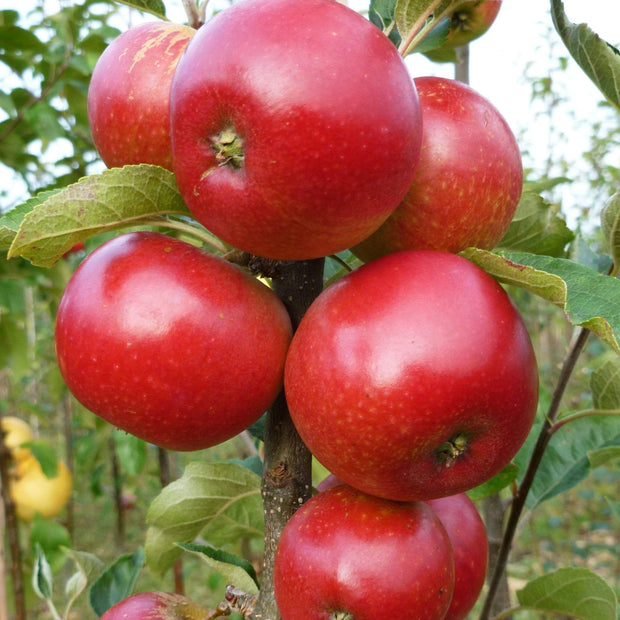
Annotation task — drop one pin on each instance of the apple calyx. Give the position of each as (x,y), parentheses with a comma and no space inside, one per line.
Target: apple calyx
(228,148)
(460,21)
(341,615)
(449,452)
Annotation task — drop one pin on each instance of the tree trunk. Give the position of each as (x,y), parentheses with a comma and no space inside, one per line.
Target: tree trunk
(287,474)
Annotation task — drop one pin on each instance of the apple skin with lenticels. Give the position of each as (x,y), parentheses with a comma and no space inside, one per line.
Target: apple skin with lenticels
(468,181)
(129,94)
(346,554)
(169,343)
(296,127)
(413,377)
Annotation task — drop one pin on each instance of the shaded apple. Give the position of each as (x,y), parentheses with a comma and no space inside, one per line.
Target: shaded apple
(470,547)
(467,183)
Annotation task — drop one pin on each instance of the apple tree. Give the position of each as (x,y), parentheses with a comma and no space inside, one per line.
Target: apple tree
(288,242)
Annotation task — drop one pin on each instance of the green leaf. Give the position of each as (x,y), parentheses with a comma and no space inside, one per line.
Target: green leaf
(495,484)
(42,582)
(253,463)
(605,383)
(599,60)
(116,582)
(220,500)
(16,39)
(614,505)
(537,227)
(582,253)
(156,7)
(235,570)
(46,455)
(577,592)
(51,537)
(11,220)
(588,298)
(602,456)
(89,568)
(610,225)
(131,452)
(381,14)
(566,461)
(114,199)
(416,18)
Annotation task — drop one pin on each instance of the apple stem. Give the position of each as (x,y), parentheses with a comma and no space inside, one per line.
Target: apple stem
(193,16)
(228,147)
(287,472)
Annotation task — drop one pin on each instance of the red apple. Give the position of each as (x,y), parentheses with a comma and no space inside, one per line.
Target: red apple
(156,606)
(468,182)
(173,345)
(129,94)
(469,21)
(470,546)
(345,552)
(295,127)
(413,377)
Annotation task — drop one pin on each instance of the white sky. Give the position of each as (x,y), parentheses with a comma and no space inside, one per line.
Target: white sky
(520,36)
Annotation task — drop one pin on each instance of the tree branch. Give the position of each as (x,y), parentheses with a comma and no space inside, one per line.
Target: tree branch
(287,474)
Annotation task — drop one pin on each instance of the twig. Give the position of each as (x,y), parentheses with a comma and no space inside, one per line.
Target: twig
(193,16)
(546,432)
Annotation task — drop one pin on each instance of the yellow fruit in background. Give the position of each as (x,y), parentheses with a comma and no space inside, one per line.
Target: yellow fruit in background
(17,432)
(34,493)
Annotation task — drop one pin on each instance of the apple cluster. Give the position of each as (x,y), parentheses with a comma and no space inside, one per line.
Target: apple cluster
(295,131)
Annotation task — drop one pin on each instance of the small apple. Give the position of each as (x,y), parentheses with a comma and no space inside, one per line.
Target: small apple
(413,377)
(295,127)
(17,432)
(156,606)
(468,181)
(33,492)
(346,554)
(469,21)
(470,547)
(129,94)
(169,343)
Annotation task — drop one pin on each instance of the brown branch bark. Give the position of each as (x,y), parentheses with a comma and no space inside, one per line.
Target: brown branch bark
(117,489)
(12,531)
(287,474)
